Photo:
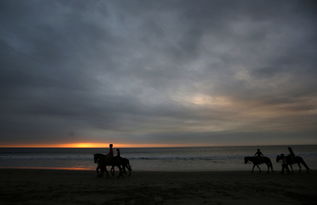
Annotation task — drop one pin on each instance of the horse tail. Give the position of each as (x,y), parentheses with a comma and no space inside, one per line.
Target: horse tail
(304,163)
(129,166)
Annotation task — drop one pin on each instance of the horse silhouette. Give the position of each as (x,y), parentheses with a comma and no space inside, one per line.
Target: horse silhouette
(289,161)
(125,165)
(259,160)
(103,161)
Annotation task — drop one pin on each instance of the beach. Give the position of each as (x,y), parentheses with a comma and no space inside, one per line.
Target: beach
(34,186)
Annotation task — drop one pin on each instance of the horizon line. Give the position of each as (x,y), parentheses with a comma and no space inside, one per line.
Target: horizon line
(159,146)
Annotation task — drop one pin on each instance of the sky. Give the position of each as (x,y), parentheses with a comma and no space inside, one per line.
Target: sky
(158,73)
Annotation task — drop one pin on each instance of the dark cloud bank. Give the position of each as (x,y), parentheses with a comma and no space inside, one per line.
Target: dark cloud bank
(170,72)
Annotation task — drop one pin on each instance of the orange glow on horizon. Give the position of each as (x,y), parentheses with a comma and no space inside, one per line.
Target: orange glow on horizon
(54,168)
(93,145)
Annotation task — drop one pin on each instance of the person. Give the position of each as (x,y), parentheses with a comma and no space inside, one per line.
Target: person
(291,153)
(259,153)
(118,153)
(110,154)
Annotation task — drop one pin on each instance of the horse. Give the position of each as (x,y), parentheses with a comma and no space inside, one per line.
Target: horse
(259,160)
(289,161)
(103,161)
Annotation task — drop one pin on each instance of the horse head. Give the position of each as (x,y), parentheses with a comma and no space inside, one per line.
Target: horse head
(97,157)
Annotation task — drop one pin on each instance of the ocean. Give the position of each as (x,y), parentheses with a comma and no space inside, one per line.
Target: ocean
(152,159)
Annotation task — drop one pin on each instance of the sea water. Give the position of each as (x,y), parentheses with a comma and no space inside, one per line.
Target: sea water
(152,159)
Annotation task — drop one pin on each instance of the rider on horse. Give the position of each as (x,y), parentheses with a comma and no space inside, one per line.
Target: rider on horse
(259,154)
(110,154)
(291,153)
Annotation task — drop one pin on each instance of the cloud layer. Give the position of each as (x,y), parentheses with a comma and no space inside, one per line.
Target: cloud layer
(164,72)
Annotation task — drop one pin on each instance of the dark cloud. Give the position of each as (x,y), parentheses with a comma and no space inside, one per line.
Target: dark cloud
(206,72)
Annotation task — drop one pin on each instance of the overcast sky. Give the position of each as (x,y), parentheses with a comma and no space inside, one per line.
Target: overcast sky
(158,72)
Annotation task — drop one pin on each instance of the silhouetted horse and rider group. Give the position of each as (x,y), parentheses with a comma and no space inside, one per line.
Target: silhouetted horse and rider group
(287,161)
(103,161)
(124,167)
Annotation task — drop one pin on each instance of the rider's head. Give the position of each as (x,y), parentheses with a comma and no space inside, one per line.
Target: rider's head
(110,145)
(258,150)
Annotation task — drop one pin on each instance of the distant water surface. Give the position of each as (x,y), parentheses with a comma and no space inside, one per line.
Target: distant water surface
(151,159)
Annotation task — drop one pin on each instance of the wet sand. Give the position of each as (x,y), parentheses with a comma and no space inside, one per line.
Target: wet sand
(19,186)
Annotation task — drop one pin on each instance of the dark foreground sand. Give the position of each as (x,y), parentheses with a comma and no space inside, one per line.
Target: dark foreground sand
(82,187)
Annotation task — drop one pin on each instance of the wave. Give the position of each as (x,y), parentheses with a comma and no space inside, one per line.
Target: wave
(176,158)
(90,157)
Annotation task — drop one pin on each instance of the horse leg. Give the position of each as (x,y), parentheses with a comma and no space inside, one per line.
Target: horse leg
(102,171)
(120,171)
(112,170)
(299,167)
(98,171)
(253,168)
(259,168)
(291,168)
(129,169)
(124,172)
(270,167)
(106,171)
(305,165)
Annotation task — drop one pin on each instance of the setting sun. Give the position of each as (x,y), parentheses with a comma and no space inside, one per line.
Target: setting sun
(84,145)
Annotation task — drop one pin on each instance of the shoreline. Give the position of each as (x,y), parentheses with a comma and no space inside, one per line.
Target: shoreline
(47,186)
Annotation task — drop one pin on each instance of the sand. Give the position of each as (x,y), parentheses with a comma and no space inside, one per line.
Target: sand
(19,186)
